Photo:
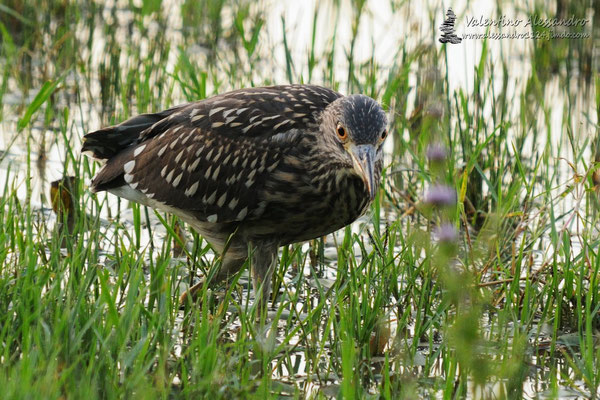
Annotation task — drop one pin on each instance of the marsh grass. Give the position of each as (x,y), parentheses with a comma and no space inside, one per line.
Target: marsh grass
(379,309)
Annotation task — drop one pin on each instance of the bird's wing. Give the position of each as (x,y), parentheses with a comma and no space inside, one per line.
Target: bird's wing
(253,112)
(208,157)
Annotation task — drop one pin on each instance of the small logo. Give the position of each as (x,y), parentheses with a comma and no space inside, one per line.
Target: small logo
(448,28)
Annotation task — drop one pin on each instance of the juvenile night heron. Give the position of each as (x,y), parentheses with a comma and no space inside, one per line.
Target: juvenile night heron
(255,168)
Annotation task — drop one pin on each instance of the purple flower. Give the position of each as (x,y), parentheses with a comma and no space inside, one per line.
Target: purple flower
(436,152)
(440,195)
(446,233)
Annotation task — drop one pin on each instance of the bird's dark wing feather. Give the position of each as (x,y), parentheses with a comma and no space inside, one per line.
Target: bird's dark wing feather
(253,112)
(207,157)
(108,142)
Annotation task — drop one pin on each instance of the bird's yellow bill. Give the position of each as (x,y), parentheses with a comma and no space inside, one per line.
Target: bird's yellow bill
(364,163)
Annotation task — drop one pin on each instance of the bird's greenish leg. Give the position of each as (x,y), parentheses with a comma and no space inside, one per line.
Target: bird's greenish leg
(264,260)
(230,265)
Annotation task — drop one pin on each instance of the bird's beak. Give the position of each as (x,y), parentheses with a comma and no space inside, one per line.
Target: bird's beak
(364,163)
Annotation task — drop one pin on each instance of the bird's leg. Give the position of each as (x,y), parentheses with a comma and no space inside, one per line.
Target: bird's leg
(230,265)
(264,260)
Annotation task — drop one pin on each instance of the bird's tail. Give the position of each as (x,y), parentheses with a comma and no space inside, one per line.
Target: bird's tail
(106,143)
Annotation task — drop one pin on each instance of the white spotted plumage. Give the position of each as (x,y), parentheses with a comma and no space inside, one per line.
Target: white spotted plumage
(231,159)
(128,166)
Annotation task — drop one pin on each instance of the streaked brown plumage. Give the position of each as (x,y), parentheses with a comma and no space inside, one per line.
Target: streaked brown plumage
(265,166)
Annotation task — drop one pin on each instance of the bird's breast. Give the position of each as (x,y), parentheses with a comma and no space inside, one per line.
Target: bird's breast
(303,203)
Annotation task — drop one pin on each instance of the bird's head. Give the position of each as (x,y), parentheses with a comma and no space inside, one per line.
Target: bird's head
(355,128)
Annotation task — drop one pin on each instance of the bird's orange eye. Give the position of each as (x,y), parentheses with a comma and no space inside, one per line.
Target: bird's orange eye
(341,131)
(384,134)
